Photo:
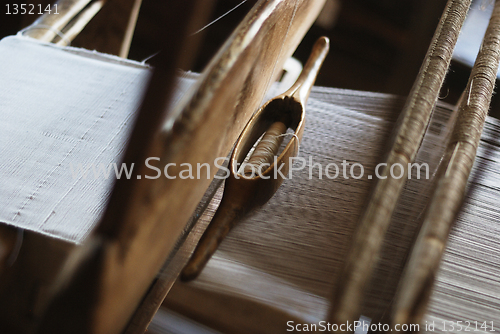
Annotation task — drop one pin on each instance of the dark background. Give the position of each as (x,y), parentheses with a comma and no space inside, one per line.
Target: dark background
(376,45)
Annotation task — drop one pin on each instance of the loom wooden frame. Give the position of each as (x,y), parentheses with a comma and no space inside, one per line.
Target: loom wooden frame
(118,236)
(92,293)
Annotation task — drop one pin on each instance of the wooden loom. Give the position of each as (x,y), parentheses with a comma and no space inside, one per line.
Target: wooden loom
(117,247)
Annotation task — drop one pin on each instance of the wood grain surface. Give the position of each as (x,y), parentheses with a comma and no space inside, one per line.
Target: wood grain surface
(144,218)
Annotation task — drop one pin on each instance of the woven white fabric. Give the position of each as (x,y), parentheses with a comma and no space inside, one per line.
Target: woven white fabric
(61,108)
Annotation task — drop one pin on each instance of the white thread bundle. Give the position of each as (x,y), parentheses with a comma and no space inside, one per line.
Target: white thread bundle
(266,149)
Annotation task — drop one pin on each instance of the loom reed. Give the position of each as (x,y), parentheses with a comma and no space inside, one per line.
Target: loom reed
(417,281)
(407,139)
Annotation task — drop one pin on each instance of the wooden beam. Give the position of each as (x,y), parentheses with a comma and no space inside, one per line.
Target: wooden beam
(111,30)
(83,300)
(47,26)
(145,217)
